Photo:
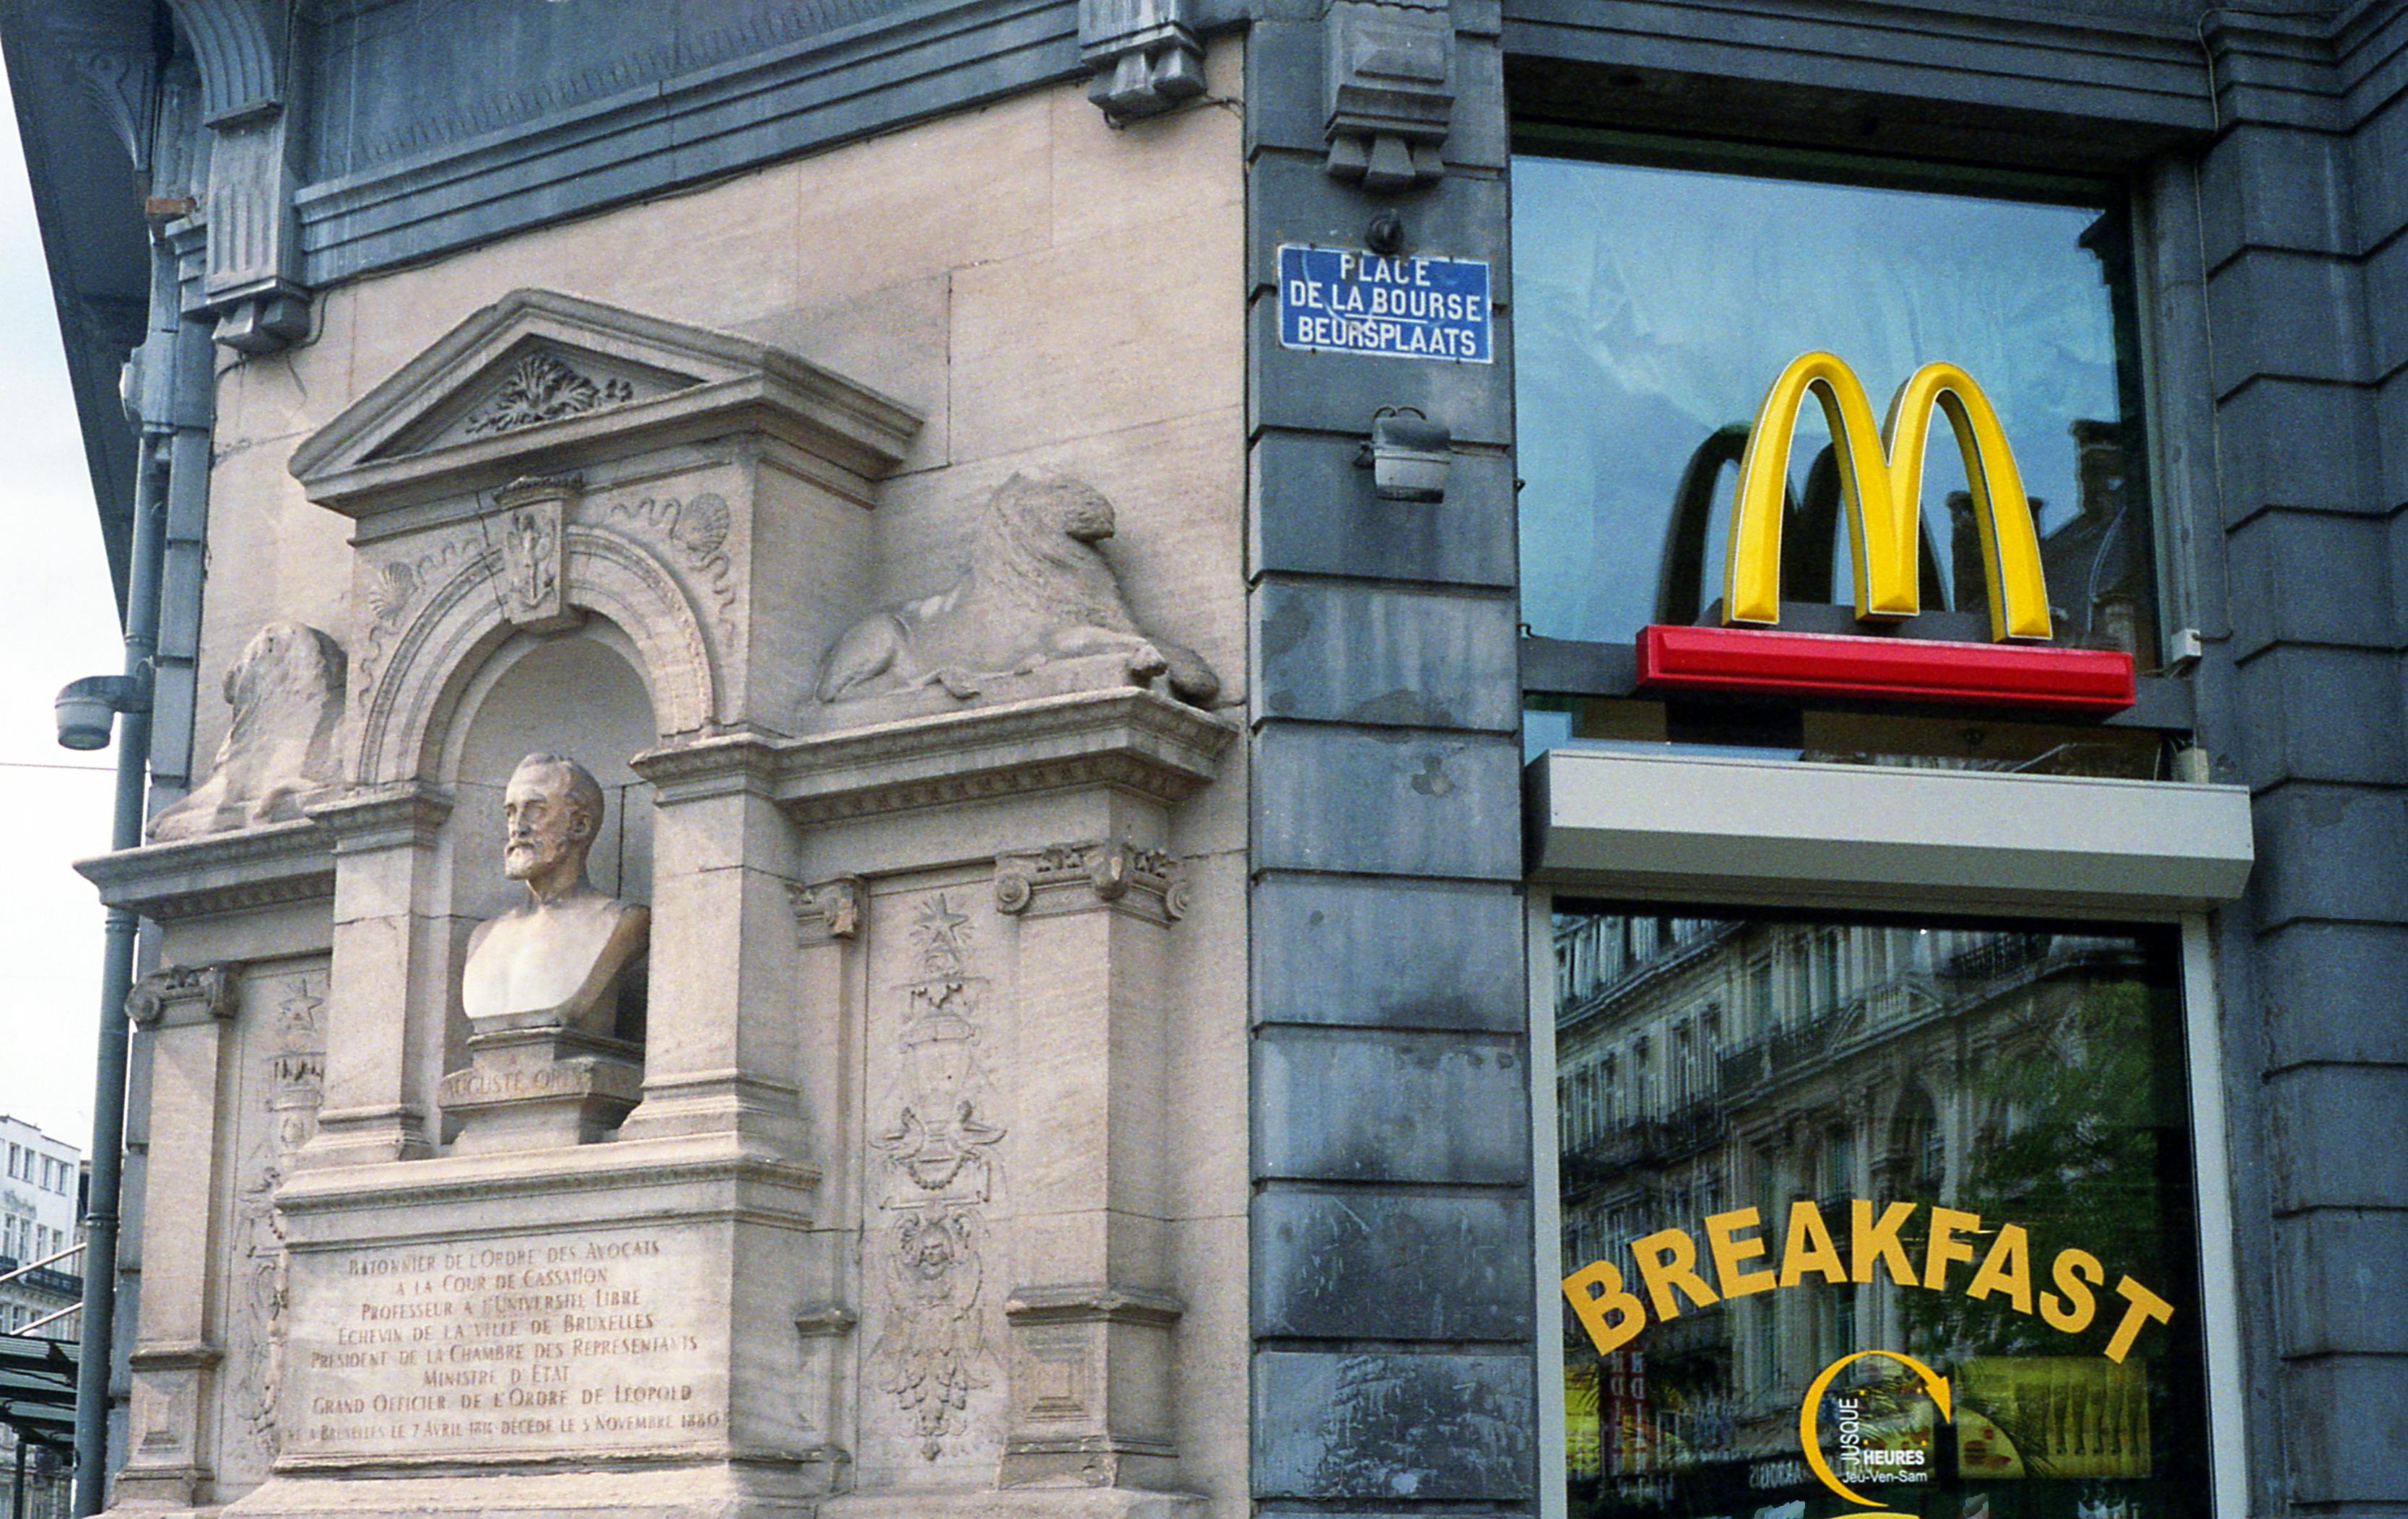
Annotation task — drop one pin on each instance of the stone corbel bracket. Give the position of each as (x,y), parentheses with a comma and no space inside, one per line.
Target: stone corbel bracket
(1144,54)
(1390,88)
(250,276)
(183,994)
(1072,877)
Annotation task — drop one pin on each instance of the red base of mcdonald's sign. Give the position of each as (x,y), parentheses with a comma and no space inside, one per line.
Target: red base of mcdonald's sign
(1763,661)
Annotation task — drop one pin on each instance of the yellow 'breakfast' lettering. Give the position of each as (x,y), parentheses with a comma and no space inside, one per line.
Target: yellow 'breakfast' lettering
(2077,1273)
(1613,1313)
(1871,1241)
(1731,1253)
(1669,1258)
(1609,1313)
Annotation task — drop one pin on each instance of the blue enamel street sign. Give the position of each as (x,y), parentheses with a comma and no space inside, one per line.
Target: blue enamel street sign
(1335,300)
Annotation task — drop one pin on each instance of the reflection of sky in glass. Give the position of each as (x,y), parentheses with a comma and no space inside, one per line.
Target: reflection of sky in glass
(1656,304)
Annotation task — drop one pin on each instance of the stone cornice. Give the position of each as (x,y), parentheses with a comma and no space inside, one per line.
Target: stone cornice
(718,766)
(1125,737)
(402,816)
(1086,1302)
(228,872)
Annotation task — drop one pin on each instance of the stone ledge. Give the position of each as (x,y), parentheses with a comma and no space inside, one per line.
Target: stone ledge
(658,1181)
(1019,1503)
(724,1488)
(1124,736)
(228,872)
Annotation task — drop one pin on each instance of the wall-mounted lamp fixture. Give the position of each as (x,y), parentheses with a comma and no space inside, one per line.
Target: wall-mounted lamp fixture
(87,709)
(1408,455)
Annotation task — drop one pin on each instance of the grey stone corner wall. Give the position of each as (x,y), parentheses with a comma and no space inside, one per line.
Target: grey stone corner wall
(1392,1213)
(2285,242)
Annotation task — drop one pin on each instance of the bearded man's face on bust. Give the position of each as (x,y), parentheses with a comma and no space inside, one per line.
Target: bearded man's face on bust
(547,829)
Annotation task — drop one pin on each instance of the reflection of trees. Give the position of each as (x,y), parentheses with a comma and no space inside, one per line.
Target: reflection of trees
(2069,1151)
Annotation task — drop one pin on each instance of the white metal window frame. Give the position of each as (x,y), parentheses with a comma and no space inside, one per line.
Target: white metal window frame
(1688,829)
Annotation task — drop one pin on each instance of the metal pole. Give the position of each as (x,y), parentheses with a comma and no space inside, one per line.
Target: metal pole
(116,980)
(16,1495)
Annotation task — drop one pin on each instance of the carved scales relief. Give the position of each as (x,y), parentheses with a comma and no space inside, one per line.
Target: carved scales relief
(941,1171)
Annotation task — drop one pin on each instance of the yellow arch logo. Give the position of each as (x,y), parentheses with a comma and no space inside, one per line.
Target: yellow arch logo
(1810,1434)
(1881,480)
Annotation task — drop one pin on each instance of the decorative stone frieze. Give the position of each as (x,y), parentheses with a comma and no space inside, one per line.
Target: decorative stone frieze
(1389,89)
(1144,54)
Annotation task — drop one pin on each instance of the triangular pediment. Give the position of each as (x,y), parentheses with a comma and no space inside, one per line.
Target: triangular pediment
(537,373)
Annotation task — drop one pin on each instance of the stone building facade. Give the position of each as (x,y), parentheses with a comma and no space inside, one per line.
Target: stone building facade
(1128,829)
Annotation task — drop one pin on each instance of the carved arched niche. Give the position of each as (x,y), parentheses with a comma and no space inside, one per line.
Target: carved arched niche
(418,673)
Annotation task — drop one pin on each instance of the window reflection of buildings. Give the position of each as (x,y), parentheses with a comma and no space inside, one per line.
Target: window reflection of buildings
(1806,1062)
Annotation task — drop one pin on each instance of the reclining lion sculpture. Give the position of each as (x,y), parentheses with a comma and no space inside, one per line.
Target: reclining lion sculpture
(1037,590)
(286,688)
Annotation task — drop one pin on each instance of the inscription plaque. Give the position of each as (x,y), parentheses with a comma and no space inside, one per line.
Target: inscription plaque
(529,1345)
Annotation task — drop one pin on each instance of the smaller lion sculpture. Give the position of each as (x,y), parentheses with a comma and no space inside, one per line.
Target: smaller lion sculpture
(286,688)
(1037,590)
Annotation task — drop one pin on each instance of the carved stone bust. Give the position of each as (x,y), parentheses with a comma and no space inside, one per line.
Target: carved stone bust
(553,960)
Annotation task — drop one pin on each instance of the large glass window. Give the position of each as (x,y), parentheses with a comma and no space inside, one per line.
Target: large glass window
(1657,300)
(1924,1233)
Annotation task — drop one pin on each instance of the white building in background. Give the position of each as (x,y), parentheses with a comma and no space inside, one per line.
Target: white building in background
(40,1213)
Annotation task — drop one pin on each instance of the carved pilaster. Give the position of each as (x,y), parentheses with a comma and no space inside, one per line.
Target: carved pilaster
(1389,77)
(1089,1349)
(164,1465)
(1143,54)
(1086,876)
(184,1012)
(1090,1386)
(393,969)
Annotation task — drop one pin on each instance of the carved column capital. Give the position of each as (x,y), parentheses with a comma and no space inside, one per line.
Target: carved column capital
(1084,877)
(175,995)
(828,909)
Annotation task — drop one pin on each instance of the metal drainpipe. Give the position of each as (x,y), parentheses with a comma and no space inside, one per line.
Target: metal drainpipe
(97,1355)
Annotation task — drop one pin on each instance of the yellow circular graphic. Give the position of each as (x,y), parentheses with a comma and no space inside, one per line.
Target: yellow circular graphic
(1810,1434)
